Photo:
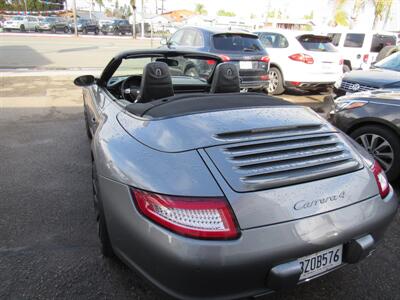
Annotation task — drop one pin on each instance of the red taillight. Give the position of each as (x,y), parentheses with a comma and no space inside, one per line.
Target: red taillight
(265,59)
(210,62)
(295,83)
(204,218)
(365,58)
(224,57)
(305,58)
(381,180)
(341,61)
(264,77)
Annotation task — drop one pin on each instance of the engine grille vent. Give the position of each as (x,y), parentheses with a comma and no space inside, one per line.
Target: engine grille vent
(278,162)
(355,87)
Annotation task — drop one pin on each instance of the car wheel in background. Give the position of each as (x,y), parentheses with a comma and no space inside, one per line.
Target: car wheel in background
(96,31)
(386,51)
(66,29)
(104,32)
(22,28)
(383,144)
(275,86)
(116,31)
(84,31)
(105,244)
(346,69)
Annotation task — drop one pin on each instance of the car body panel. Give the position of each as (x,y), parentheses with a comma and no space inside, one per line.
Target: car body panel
(192,269)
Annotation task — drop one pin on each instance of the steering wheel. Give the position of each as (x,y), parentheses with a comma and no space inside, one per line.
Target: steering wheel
(130,87)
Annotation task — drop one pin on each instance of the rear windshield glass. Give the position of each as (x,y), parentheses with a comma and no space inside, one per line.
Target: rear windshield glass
(391,62)
(236,42)
(335,38)
(379,41)
(316,43)
(354,40)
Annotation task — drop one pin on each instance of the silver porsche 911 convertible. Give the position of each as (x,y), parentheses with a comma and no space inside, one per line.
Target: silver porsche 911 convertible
(216,194)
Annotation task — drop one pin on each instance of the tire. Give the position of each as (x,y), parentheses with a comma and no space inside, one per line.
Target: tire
(96,31)
(66,29)
(22,28)
(116,31)
(84,31)
(386,51)
(386,141)
(346,68)
(275,86)
(104,32)
(105,244)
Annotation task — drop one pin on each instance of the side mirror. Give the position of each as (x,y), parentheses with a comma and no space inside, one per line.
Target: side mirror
(163,42)
(84,80)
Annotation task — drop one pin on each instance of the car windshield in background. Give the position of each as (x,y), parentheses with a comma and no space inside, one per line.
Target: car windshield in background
(49,19)
(316,43)
(236,42)
(178,66)
(391,62)
(335,38)
(379,41)
(17,18)
(354,40)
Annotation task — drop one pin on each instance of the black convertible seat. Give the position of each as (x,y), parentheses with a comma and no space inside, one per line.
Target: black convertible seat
(226,79)
(156,82)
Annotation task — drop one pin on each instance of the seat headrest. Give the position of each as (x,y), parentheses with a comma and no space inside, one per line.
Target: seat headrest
(226,79)
(156,82)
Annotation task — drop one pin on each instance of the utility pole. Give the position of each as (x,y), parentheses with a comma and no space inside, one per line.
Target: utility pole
(74,13)
(142,31)
(26,7)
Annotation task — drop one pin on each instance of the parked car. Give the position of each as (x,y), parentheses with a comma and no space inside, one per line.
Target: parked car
(210,193)
(53,24)
(383,74)
(21,23)
(2,20)
(85,26)
(360,48)
(117,27)
(240,48)
(372,119)
(302,60)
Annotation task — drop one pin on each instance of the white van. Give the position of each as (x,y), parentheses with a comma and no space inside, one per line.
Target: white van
(360,49)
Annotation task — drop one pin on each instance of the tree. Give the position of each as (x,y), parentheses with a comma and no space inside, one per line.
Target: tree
(310,16)
(100,3)
(340,16)
(200,9)
(133,6)
(358,6)
(225,13)
(381,6)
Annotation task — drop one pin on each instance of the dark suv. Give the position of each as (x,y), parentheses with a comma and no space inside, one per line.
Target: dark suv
(85,26)
(117,27)
(53,24)
(241,48)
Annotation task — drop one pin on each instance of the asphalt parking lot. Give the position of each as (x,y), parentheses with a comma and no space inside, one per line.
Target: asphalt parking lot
(48,241)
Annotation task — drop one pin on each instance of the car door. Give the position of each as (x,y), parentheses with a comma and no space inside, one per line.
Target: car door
(175,41)
(277,46)
(94,102)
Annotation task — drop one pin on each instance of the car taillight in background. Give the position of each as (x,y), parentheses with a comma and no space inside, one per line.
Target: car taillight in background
(265,59)
(305,58)
(224,57)
(341,61)
(381,180)
(365,58)
(211,62)
(203,218)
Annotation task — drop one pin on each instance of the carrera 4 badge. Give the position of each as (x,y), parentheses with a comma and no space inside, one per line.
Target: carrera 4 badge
(303,204)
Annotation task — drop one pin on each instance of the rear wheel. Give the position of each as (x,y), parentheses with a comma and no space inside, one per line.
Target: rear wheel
(66,30)
(105,244)
(96,31)
(383,144)
(386,51)
(116,31)
(275,86)
(84,30)
(22,28)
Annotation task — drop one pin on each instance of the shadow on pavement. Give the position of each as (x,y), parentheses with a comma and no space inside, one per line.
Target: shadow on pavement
(21,57)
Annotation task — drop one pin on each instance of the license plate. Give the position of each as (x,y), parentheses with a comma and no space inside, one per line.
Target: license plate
(320,262)
(245,64)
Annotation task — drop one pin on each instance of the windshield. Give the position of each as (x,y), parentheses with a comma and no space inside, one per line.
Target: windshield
(17,18)
(199,68)
(48,20)
(391,62)
(236,42)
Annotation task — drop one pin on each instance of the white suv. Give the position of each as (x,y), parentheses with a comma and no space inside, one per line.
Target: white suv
(360,49)
(21,23)
(300,59)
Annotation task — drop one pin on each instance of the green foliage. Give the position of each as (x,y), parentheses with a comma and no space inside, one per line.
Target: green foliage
(225,13)
(310,16)
(31,5)
(341,18)
(271,14)
(200,9)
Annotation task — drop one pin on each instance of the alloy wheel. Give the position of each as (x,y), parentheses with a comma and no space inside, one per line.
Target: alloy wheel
(379,148)
(273,81)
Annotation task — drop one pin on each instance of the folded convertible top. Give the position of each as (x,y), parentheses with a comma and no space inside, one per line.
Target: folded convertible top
(196,103)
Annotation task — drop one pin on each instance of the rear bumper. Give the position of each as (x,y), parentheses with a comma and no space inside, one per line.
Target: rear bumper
(309,85)
(196,269)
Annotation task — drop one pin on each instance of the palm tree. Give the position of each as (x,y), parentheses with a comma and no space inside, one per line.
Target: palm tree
(100,3)
(358,6)
(381,6)
(200,10)
(133,5)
